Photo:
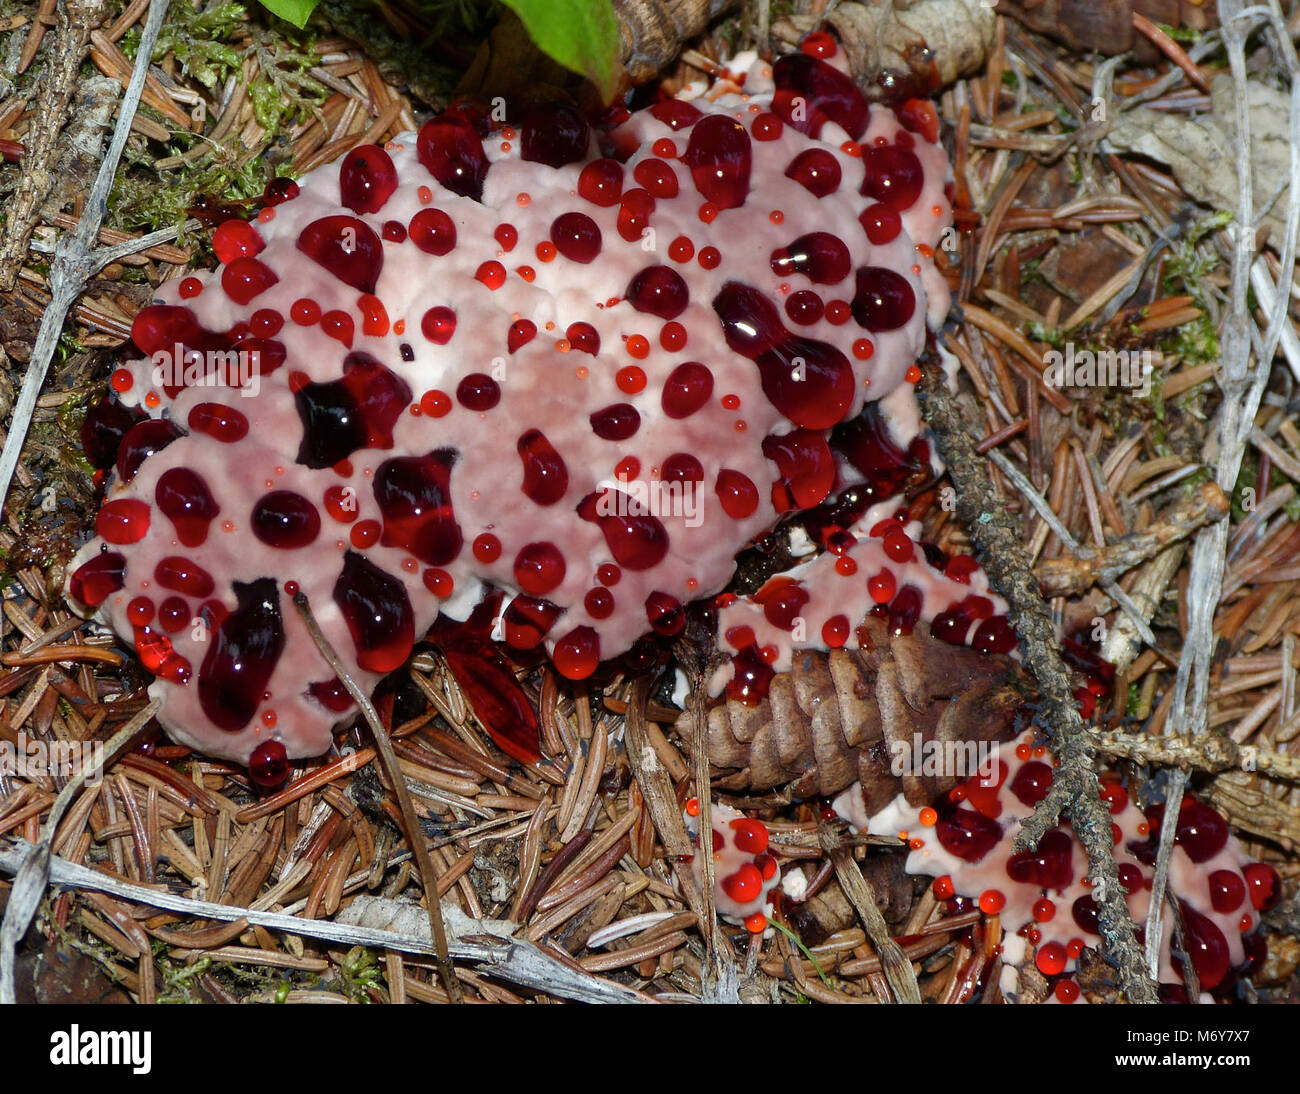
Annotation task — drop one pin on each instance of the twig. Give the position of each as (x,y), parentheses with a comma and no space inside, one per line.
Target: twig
(897,968)
(515,960)
(1075,789)
(1213,755)
(1242,391)
(1075,576)
(56,87)
(74,263)
(414,833)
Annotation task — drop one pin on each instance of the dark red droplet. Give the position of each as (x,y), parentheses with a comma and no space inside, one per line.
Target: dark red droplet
(478,391)
(1202,832)
(577,654)
(243,652)
(677,114)
(268,766)
(433,231)
(719,155)
(1264,884)
(1032,782)
(636,539)
(554,134)
(377,612)
(806,468)
(821,257)
(95,580)
(664,614)
(881,222)
(346,247)
(883,299)
(356,411)
(236,239)
(104,429)
(816,170)
(634,210)
(285,520)
(414,497)
(527,620)
(893,175)
(583,337)
(218,421)
(546,478)
(1227,890)
(1049,865)
(332,695)
(616,422)
(737,493)
(452,153)
(601,182)
(182,575)
(142,440)
(809,93)
(905,610)
(658,290)
(968,835)
(279,190)
(657,177)
(688,387)
(367,179)
(183,496)
(539,568)
(1205,945)
(576,236)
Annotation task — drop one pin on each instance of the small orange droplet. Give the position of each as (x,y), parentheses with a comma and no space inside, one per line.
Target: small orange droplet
(424,194)
(266,215)
(756,923)
(581,372)
(152,399)
(776,216)
(693,807)
(929,818)
(524,198)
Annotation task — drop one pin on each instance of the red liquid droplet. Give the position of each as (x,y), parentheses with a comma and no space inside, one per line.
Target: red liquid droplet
(285,520)
(688,387)
(433,231)
(601,183)
(268,766)
(816,170)
(183,576)
(719,155)
(377,612)
(737,494)
(243,653)
(96,580)
(123,521)
(554,134)
(346,247)
(452,153)
(356,411)
(1032,782)
(218,421)
(806,466)
(414,496)
(546,478)
(893,175)
(883,299)
(576,236)
(819,256)
(183,497)
(367,179)
(810,92)
(1049,866)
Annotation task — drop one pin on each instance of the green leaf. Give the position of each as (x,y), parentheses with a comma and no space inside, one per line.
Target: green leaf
(582,35)
(295,11)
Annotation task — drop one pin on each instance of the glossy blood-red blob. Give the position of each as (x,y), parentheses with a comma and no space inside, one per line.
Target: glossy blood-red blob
(183,496)
(285,520)
(356,411)
(103,430)
(414,496)
(554,134)
(968,835)
(433,231)
(377,612)
(95,580)
(688,387)
(452,153)
(367,179)
(546,478)
(142,440)
(720,157)
(346,247)
(218,421)
(1205,945)
(816,170)
(616,422)
(1048,866)
(819,256)
(893,175)
(1032,782)
(658,290)
(884,300)
(806,467)
(182,575)
(576,236)
(243,652)
(601,182)
(809,93)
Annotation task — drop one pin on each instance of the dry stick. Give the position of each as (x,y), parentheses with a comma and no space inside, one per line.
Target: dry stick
(1214,754)
(898,969)
(32,873)
(719,982)
(1189,706)
(74,262)
(414,834)
(56,86)
(1075,789)
(520,962)
(1070,576)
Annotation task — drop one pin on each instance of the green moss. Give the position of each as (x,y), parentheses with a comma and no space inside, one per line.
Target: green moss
(197,39)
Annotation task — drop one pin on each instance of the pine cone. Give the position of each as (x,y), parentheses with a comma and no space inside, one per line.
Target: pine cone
(834,717)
